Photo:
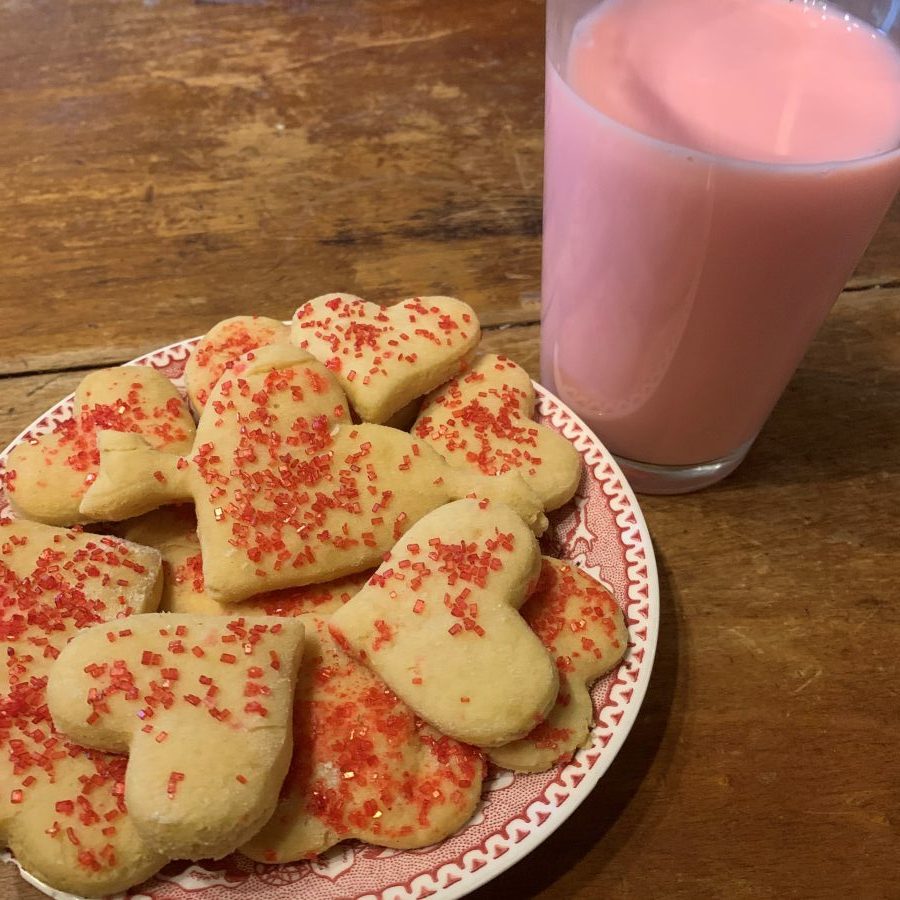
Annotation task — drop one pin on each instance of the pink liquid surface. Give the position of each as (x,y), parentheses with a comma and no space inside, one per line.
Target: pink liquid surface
(713,171)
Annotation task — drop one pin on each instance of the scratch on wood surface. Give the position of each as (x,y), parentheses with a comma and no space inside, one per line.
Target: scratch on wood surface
(739,533)
(746,640)
(376,45)
(805,684)
(860,816)
(509,138)
(517,160)
(29,392)
(216,81)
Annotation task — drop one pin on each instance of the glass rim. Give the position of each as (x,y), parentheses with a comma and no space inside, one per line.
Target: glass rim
(722,159)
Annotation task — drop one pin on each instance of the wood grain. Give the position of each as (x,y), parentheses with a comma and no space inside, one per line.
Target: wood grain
(175,164)
(168,164)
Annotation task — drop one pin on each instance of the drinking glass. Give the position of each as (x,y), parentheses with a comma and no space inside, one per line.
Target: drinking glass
(681,288)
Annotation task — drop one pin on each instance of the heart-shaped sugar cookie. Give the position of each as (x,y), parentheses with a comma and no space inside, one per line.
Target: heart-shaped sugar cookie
(485,419)
(62,809)
(365,766)
(438,622)
(583,628)
(48,475)
(284,495)
(225,342)
(384,358)
(202,705)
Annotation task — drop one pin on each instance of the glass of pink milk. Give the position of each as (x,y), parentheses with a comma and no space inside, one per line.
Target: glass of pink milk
(714,170)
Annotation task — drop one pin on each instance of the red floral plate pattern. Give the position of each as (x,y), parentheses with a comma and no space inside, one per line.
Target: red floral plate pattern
(603,532)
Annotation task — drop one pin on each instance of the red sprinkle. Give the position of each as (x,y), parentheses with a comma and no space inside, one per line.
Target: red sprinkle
(174,779)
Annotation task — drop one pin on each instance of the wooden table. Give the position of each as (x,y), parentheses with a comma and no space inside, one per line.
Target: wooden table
(167,164)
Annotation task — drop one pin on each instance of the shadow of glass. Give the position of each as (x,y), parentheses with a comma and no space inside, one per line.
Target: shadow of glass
(590,829)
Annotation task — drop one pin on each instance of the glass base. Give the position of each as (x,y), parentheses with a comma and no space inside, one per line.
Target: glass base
(649,478)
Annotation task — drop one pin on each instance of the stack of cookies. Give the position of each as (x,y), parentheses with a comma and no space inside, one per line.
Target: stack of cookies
(304,605)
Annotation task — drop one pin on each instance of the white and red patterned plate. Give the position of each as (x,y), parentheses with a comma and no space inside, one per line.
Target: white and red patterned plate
(603,532)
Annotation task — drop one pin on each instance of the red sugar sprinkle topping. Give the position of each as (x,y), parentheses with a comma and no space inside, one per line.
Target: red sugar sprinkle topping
(569,603)
(384,636)
(175,778)
(488,423)
(70,585)
(130,411)
(357,726)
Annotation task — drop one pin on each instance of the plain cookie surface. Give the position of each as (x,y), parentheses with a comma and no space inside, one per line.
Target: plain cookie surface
(365,766)
(202,705)
(438,622)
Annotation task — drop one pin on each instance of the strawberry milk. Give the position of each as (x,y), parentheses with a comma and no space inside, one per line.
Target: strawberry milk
(714,169)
